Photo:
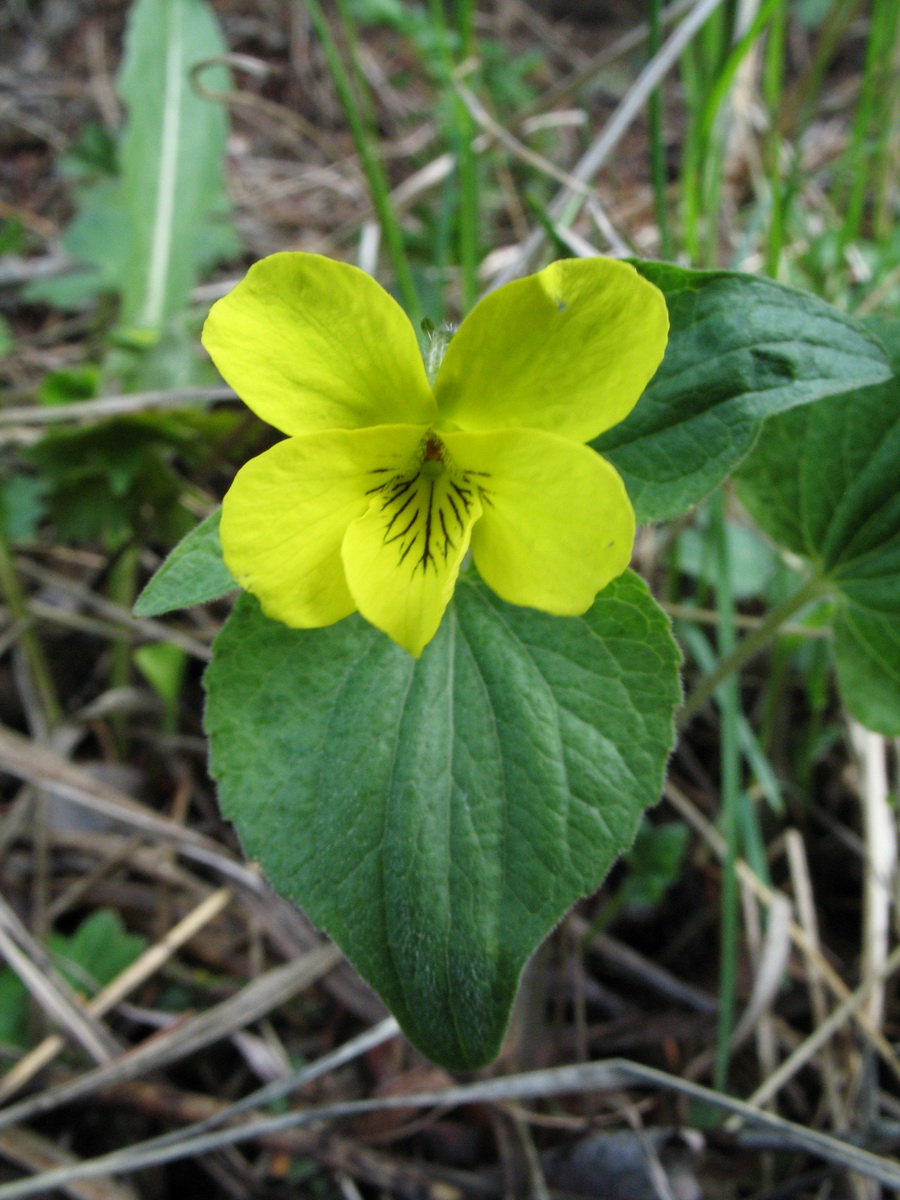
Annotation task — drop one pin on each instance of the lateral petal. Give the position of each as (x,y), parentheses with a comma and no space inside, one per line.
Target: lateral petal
(286,513)
(309,343)
(568,350)
(402,557)
(557,524)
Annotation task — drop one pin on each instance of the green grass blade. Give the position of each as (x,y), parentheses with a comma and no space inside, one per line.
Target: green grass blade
(657,139)
(366,147)
(729,708)
(878,74)
(460,133)
(772,88)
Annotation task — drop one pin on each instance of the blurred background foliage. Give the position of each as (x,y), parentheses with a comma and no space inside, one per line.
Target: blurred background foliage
(152,149)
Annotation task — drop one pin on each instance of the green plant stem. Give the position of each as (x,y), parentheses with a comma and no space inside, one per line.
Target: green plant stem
(700,64)
(730,765)
(16,602)
(461,135)
(711,136)
(691,156)
(795,112)
(465,26)
(603,919)
(886,160)
(468,211)
(704,655)
(123,591)
(772,87)
(371,163)
(749,646)
(875,82)
(737,54)
(441,248)
(657,139)
(712,40)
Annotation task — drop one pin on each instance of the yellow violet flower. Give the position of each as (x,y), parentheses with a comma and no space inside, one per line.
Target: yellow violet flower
(384,481)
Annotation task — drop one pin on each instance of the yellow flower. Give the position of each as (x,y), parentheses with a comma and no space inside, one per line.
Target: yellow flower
(384,482)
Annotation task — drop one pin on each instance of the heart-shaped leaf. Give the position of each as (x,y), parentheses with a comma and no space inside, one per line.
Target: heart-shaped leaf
(437,817)
(824,481)
(741,349)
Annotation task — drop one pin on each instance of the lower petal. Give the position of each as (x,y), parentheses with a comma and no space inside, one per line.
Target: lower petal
(285,515)
(557,523)
(402,557)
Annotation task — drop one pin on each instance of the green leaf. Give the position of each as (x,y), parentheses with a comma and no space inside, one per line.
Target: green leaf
(171,153)
(751,557)
(163,665)
(99,950)
(7,341)
(437,817)
(887,330)
(194,573)
(70,384)
(741,349)
(115,477)
(824,482)
(867,657)
(23,505)
(97,241)
(655,863)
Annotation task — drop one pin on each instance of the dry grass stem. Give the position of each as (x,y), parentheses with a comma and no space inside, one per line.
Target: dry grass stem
(253,1001)
(113,406)
(613,1075)
(806,912)
(837,986)
(835,1020)
(30,962)
(601,148)
(148,964)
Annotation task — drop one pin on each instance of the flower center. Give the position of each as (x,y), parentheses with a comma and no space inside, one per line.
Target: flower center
(433,458)
(429,507)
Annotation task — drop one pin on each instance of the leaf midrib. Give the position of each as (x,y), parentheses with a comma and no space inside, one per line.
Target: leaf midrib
(153,309)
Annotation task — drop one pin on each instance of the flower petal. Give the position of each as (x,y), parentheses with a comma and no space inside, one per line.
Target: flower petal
(286,513)
(568,350)
(402,558)
(557,524)
(309,343)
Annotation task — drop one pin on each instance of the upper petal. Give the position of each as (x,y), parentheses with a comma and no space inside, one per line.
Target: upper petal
(557,524)
(309,343)
(286,513)
(402,557)
(568,350)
